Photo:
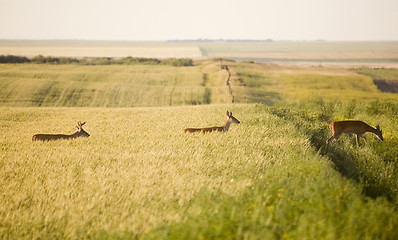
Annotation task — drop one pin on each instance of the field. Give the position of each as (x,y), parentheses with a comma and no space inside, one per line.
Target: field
(330,54)
(71,85)
(102,86)
(302,53)
(91,49)
(139,176)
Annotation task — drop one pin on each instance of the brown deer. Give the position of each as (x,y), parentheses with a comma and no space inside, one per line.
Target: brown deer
(223,128)
(47,137)
(354,127)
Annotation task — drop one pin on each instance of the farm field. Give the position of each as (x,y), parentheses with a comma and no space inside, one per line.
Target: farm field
(330,54)
(110,86)
(139,176)
(302,50)
(71,85)
(301,53)
(89,49)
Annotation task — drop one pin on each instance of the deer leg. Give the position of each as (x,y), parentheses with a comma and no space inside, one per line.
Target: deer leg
(334,137)
(327,143)
(358,136)
(329,139)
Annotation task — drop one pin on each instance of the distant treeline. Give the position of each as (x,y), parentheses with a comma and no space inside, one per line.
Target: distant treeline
(40,59)
(205,40)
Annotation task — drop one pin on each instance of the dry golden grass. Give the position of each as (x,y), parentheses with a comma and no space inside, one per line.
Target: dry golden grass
(139,175)
(49,85)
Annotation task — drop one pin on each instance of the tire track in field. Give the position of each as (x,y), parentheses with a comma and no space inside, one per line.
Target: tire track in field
(228,82)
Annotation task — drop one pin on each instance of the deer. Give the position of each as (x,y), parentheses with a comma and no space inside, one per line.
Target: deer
(231,119)
(352,127)
(47,137)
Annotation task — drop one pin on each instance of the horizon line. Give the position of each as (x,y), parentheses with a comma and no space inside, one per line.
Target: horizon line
(269,40)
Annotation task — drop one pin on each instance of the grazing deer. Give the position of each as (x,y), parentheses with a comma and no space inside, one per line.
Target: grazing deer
(224,128)
(79,133)
(353,127)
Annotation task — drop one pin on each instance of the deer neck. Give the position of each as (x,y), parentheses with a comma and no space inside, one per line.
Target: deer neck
(75,135)
(227,125)
(372,130)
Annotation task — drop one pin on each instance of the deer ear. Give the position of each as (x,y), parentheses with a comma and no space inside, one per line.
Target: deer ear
(378,127)
(227,113)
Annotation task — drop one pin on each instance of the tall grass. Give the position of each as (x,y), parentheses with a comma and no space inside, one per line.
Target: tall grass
(30,85)
(271,84)
(381,73)
(304,86)
(256,83)
(138,175)
(103,86)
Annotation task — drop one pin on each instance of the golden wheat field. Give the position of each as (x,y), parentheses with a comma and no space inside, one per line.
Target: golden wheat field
(138,176)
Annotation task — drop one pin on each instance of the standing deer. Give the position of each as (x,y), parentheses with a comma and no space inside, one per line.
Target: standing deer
(79,133)
(224,128)
(354,127)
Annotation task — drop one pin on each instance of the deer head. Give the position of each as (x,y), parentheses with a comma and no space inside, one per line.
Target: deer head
(379,133)
(231,118)
(80,131)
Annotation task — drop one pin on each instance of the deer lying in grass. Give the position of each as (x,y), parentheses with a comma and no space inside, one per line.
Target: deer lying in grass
(224,128)
(354,127)
(46,137)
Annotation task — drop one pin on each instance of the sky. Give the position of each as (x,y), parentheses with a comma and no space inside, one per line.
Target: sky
(158,20)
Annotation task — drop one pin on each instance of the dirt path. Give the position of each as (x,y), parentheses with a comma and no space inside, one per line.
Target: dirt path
(229,77)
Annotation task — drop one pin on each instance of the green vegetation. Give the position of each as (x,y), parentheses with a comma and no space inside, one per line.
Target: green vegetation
(13,59)
(264,83)
(40,59)
(139,176)
(304,86)
(379,73)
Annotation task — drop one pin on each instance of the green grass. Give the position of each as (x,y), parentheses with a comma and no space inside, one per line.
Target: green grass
(304,86)
(269,84)
(381,73)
